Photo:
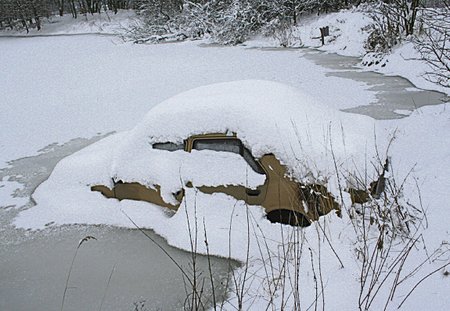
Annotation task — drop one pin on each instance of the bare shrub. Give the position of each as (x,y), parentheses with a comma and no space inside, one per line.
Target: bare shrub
(393,20)
(434,43)
(283,32)
(389,232)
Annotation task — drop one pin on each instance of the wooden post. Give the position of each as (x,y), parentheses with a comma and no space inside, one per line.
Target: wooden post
(324,32)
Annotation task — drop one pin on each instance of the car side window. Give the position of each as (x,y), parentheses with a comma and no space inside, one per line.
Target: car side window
(168,146)
(229,145)
(226,145)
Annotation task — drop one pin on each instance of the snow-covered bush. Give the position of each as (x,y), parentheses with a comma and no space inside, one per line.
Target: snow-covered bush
(186,19)
(381,39)
(237,23)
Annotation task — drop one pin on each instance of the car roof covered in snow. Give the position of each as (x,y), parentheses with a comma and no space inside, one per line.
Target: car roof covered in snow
(269,117)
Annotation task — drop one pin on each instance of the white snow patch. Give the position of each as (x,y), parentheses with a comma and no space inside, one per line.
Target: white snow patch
(403,112)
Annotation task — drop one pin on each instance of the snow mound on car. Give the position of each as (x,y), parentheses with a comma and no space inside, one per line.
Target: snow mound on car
(311,139)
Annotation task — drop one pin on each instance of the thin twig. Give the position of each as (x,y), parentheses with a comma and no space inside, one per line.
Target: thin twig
(85,239)
(421,280)
(209,266)
(107,286)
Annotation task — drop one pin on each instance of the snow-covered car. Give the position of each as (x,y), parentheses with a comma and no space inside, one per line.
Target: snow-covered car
(282,197)
(261,142)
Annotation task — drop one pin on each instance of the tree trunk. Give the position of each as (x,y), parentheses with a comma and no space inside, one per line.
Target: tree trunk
(24,24)
(36,18)
(414,7)
(74,9)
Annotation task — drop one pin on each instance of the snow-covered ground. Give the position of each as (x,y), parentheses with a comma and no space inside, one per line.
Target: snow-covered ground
(54,94)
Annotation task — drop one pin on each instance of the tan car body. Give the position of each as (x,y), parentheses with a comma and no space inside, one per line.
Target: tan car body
(284,199)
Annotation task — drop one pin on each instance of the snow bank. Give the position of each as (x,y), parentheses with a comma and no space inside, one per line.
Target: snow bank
(347,33)
(404,61)
(422,149)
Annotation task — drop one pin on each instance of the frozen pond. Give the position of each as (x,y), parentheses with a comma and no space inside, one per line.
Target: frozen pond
(119,270)
(394,96)
(34,268)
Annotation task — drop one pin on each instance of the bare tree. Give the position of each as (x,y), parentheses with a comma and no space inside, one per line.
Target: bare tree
(393,20)
(434,44)
(28,14)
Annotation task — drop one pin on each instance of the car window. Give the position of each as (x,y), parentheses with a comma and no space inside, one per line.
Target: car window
(168,146)
(229,145)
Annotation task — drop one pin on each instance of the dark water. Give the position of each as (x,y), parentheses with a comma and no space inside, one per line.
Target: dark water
(121,269)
